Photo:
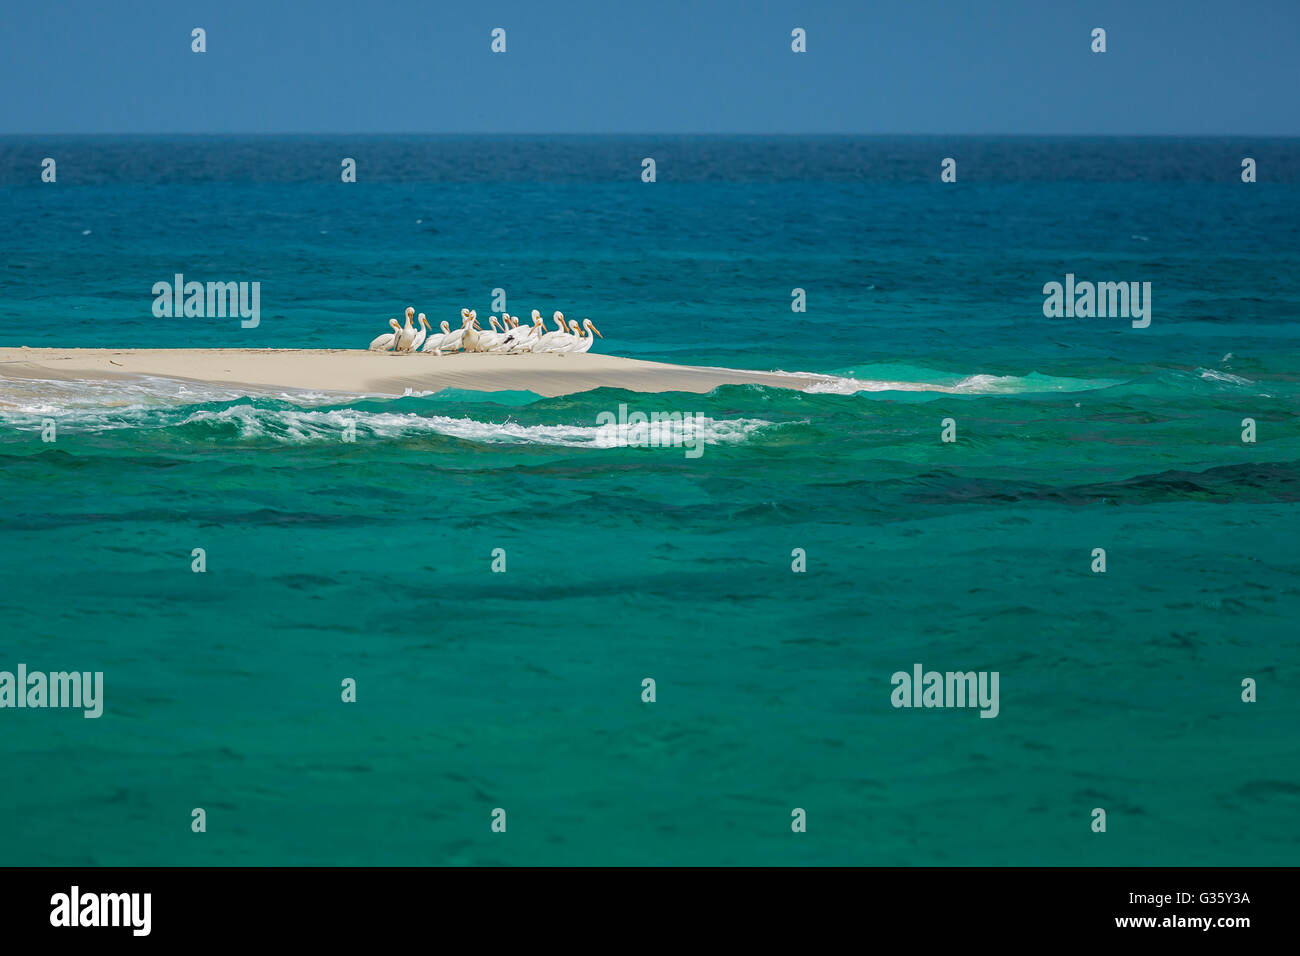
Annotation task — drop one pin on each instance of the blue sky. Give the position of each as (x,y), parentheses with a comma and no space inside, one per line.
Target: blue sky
(905,66)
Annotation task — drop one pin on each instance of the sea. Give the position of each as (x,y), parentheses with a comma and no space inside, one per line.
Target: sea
(489,631)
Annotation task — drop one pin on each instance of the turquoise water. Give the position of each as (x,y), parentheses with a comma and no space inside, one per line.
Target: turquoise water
(372,559)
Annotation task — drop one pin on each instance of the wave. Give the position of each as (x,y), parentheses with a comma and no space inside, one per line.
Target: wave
(1165,381)
(303,426)
(851,382)
(1214,375)
(38,396)
(726,414)
(1180,383)
(249,420)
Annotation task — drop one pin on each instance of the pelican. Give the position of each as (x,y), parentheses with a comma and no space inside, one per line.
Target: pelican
(421,335)
(536,332)
(528,334)
(583,344)
(471,332)
(455,340)
(385,342)
(547,342)
(406,337)
(568,341)
(515,333)
(512,336)
(489,340)
(503,340)
(434,342)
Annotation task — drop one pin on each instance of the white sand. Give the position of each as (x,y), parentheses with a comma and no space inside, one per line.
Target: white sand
(382,373)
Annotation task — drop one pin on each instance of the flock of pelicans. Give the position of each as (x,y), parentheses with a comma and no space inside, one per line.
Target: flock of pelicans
(506,335)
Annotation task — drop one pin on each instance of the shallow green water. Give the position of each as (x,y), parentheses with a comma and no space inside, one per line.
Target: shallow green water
(521,690)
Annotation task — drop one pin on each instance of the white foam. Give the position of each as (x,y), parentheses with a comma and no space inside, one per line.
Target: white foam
(1211,375)
(55,397)
(823,383)
(842,385)
(848,385)
(989,383)
(301,425)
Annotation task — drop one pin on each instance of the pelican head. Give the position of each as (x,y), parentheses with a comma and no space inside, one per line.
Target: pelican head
(573,326)
(590,327)
(424,321)
(397,327)
(464,313)
(410,313)
(536,315)
(446,329)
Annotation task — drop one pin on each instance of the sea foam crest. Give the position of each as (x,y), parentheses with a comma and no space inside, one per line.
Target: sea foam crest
(309,425)
(298,425)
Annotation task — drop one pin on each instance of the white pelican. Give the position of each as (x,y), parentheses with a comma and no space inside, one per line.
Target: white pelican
(455,340)
(501,342)
(489,340)
(514,334)
(471,333)
(583,344)
(406,337)
(421,334)
(511,335)
(568,341)
(385,342)
(546,342)
(434,342)
(525,335)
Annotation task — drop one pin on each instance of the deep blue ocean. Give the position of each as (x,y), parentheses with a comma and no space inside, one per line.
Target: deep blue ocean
(522,690)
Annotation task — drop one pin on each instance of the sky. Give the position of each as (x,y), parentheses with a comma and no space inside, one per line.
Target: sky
(944,67)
